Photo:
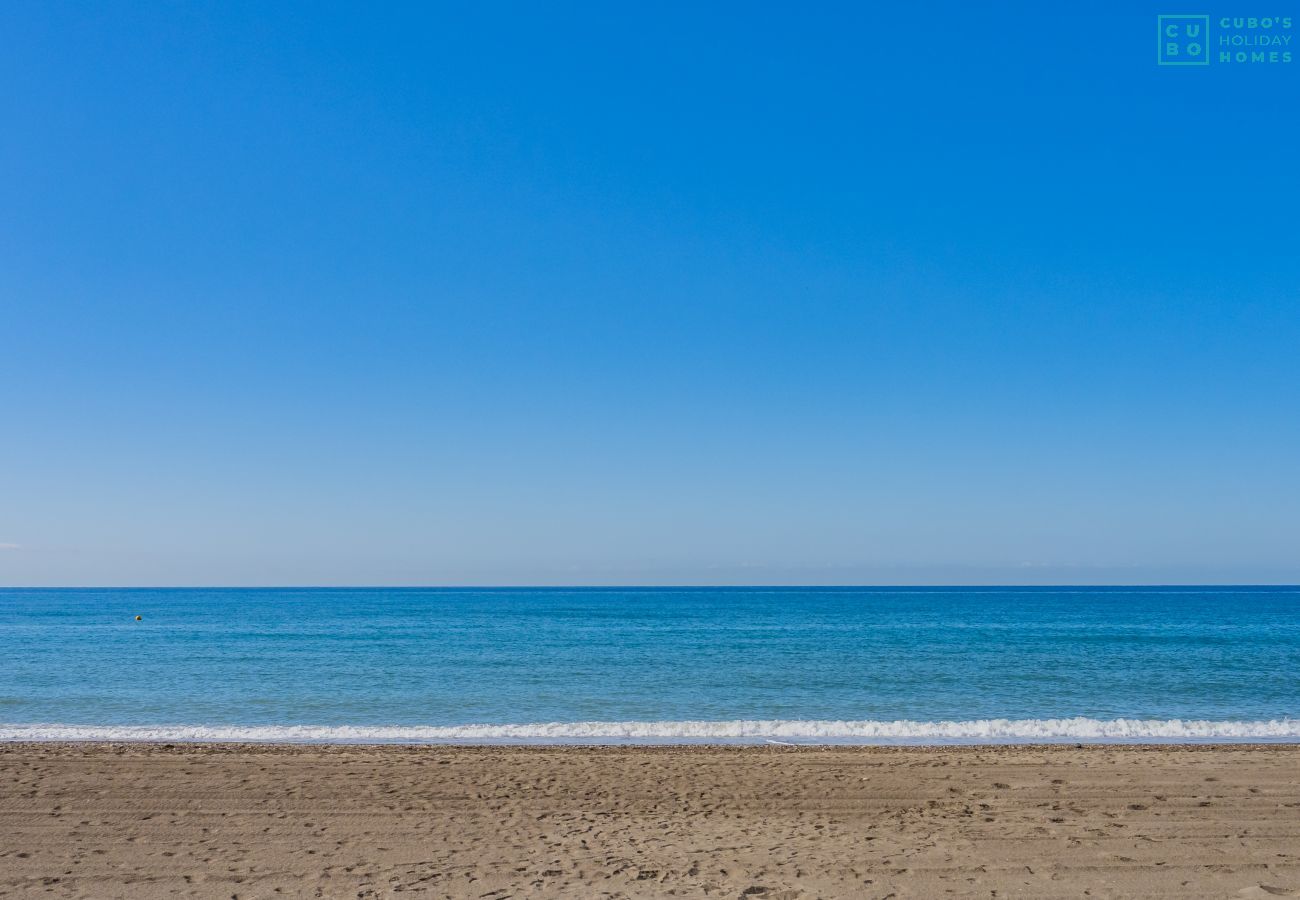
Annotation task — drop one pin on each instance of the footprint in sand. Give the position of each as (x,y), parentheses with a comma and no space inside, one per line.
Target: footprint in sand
(1267,890)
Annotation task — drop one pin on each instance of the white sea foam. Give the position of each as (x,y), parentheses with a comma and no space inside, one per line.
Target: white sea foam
(976,731)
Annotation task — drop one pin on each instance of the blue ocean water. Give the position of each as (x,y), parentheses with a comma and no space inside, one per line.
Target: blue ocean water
(837,664)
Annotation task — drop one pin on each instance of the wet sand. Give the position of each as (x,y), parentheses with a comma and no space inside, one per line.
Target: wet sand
(239,821)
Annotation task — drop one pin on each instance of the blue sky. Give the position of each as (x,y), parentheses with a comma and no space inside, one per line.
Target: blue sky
(581,294)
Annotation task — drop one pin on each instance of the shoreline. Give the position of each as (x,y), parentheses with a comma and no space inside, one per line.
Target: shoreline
(828,732)
(145,820)
(1280,745)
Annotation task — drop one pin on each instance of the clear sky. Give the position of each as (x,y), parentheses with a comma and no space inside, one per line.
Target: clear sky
(666,293)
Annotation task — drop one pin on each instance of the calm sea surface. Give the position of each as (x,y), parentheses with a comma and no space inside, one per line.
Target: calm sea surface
(652,664)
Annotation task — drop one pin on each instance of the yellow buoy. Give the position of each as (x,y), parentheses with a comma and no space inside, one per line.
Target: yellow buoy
(139,618)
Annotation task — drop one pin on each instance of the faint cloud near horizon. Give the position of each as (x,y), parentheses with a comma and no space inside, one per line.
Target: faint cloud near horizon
(4,546)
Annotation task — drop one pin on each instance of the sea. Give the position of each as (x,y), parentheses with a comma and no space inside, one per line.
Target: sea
(785,665)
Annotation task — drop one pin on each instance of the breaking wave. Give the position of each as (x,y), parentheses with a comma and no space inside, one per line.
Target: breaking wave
(975,731)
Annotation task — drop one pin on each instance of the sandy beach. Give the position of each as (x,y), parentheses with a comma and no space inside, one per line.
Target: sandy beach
(240,821)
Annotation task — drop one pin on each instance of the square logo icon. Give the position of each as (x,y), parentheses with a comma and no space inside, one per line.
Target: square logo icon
(1182,40)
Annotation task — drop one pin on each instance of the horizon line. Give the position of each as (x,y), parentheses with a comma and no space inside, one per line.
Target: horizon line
(631,586)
